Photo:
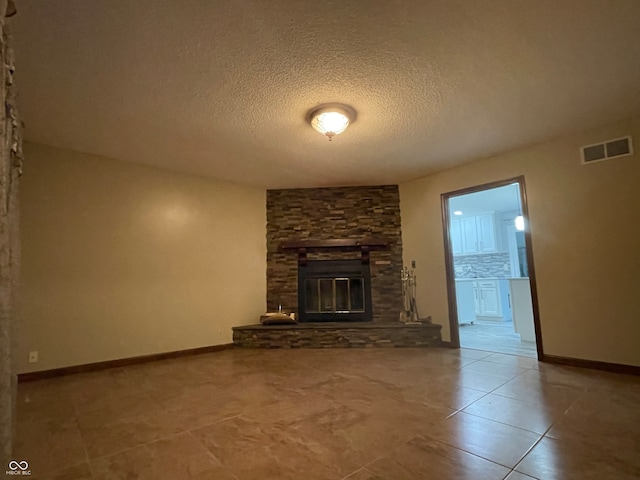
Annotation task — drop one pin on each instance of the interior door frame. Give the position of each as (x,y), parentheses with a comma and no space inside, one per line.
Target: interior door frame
(451,286)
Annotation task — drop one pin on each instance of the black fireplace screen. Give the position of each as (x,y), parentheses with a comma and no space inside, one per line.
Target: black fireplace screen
(334,290)
(337,295)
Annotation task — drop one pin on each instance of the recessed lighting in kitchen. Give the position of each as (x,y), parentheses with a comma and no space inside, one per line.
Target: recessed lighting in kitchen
(457,212)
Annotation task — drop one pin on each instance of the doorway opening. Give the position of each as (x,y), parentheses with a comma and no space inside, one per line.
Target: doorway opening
(490,273)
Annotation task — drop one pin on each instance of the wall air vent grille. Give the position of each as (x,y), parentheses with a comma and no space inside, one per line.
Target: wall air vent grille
(620,147)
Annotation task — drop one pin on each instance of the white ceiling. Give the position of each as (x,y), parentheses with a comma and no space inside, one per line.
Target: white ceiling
(221,88)
(499,199)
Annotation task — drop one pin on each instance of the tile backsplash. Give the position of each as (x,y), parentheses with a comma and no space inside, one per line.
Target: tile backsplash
(482,266)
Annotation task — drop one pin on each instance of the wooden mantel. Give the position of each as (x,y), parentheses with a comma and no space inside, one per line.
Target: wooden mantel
(335,243)
(365,245)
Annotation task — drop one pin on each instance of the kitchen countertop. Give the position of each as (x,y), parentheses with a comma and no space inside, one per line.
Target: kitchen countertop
(472,279)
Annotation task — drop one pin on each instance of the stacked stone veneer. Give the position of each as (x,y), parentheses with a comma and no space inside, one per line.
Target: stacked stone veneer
(335,213)
(333,335)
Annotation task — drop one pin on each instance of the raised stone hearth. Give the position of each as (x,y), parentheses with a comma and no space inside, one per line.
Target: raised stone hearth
(337,335)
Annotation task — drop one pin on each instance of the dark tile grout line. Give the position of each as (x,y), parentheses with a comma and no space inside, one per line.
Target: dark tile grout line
(353,473)
(461,449)
(514,470)
(209,452)
(523,429)
(84,443)
(490,352)
(502,423)
(164,437)
(547,431)
(397,444)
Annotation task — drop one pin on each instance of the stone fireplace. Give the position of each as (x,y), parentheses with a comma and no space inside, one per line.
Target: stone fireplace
(334,257)
(360,225)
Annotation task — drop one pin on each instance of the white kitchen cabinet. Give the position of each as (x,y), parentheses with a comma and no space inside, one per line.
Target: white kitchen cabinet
(487,298)
(465,302)
(456,236)
(486,233)
(473,234)
(476,298)
(469,235)
(505,299)
(522,308)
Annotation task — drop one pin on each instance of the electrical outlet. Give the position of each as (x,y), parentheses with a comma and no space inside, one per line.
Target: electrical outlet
(33,356)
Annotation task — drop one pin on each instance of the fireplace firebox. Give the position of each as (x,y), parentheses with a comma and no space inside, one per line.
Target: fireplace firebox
(334,291)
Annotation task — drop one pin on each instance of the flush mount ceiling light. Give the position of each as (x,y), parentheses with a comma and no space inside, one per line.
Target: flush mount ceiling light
(457,212)
(331,119)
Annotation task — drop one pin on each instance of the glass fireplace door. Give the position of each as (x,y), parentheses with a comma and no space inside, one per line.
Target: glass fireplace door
(334,295)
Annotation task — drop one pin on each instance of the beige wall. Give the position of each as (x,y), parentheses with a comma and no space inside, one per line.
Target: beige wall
(121,260)
(585,229)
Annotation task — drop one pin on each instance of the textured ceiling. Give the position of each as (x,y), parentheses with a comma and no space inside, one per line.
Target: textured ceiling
(221,89)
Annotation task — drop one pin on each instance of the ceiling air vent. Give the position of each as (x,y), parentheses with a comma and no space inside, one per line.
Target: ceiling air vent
(620,147)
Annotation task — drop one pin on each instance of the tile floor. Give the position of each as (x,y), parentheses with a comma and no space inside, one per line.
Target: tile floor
(495,337)
(378,414)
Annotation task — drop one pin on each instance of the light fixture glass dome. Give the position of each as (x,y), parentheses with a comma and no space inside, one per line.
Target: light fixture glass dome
(331,120)
(519,223)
